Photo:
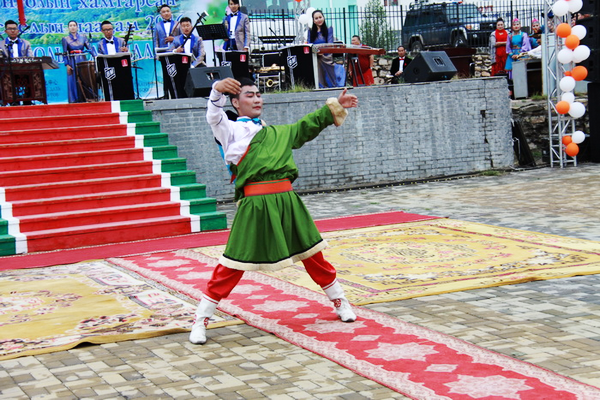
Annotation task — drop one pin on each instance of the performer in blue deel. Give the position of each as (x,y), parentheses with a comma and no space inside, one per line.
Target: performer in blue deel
(75,45)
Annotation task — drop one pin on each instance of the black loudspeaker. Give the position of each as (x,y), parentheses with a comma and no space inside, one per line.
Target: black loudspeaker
(200,80)
(592,40)
(590,7)
(429,66)
(299,65)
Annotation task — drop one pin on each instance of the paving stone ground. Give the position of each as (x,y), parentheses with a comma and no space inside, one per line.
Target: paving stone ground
(554,324)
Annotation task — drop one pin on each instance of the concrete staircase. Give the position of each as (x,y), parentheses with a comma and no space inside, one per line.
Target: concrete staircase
(74,175)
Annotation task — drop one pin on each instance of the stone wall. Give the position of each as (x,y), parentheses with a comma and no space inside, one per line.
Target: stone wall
(398,133)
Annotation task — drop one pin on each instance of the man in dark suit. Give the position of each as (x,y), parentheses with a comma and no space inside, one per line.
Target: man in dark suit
(110,44)
(187,42)
(237,25)
(398,65)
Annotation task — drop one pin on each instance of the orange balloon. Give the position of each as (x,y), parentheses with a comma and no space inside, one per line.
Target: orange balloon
(568,73)
(572,149)
(562,107)
(572,41)
(579,73)
(567,140)
(563,30)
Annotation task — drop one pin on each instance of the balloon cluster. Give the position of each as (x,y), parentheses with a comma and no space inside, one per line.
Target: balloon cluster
(573,52)
(306,18)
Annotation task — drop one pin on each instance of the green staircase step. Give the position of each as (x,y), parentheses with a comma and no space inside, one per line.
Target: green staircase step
(131,105)
(164,152)
(213,220)
(8,247)
(143,128)
(201,206)
(3,227)
(179,178)
(192,191)
(156,139)
(173,164)
(139,116)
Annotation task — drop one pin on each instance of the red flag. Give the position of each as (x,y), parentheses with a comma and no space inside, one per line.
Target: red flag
(22,20)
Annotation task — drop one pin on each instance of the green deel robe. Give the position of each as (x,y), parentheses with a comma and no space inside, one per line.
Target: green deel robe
(273,231)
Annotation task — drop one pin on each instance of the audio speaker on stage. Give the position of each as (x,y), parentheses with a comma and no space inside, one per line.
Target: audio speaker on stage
(199,80)
(591,40)
(429,66)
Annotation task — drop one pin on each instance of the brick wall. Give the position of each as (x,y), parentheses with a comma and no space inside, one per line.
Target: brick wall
(398,133)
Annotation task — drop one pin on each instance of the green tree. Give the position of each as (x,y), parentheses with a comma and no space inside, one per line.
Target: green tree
(374,28)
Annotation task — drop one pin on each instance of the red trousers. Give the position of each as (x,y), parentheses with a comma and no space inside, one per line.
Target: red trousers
(224,279)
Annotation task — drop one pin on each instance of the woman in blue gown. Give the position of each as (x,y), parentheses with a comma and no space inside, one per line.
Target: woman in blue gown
(517,43)
(75,45)
(318,34)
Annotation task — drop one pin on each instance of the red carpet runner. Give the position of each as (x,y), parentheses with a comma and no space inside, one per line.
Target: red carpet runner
(412,360)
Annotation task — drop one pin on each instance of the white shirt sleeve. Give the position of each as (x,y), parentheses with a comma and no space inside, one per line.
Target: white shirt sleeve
(234,136)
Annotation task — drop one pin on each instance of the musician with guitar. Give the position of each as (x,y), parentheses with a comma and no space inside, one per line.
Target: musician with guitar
(110,44)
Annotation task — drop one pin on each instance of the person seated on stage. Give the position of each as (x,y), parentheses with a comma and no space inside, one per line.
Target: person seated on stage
(110,44)
(398,65)
(74,46)
(13,46)
(272,228)
(187,42)
(166,28)
(237,25)
(320,33)
(361,63)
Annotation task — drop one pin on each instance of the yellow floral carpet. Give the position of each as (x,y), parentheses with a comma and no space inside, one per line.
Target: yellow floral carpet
(394,262)
(43,310)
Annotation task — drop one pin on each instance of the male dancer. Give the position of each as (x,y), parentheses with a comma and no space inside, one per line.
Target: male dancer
(110,44)
(272,228)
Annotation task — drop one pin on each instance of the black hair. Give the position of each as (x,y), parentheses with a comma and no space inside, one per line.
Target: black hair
(163,6)
(105,22)
(356,36)
(236,2)
(499,20)
(314,31)
(68,23)
(10,22)
(185,19)
(244,81)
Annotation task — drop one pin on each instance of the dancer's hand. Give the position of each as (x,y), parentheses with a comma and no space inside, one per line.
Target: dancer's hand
(348,100)
(229,85)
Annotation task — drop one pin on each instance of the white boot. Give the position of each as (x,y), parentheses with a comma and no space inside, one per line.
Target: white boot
(341,305)
(205,310)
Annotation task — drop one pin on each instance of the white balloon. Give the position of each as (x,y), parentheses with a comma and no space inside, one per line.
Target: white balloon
(560,8)
(309,11)
(569,97)
(565,56)
(304,19)
(578,137)
(577,109)
(579,31)
(581,53)
(567,84)
(575,5)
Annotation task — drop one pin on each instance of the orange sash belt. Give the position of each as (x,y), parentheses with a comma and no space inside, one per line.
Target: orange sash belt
(267,187)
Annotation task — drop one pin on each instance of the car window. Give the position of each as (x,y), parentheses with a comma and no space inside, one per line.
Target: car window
(411,18)
(426,18)
(438,16)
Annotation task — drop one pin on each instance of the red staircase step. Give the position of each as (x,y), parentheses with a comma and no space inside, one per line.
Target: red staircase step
(89,201)
(66,133)
(55,109)
(61,121)
(114,232)
(98,216)
(66,146)
(94,171)
(45,161)
(73,188)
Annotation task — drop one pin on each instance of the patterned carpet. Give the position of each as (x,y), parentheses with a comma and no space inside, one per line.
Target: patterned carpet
(50,309)
(395,262)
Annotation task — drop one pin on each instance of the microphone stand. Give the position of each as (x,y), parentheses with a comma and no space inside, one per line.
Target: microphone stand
(155,59)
